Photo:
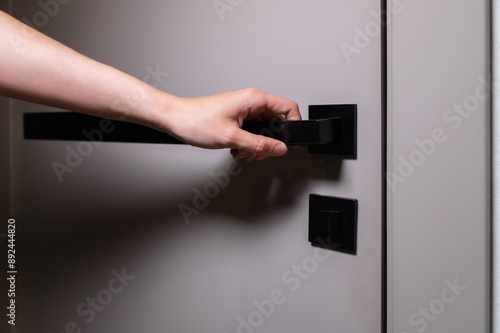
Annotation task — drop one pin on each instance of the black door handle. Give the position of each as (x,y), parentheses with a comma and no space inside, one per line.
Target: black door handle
(331,129)
(303,132)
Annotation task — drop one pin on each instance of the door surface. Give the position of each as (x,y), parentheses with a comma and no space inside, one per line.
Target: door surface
(169,238)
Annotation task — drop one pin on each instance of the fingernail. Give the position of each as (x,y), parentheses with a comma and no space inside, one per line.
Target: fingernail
(280,149)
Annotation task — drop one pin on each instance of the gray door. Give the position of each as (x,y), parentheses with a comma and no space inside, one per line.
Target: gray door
(166,238)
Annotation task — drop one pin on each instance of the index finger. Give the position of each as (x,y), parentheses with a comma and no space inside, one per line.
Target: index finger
(269,106)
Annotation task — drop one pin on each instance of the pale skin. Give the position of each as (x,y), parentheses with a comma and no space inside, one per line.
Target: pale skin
(36,68)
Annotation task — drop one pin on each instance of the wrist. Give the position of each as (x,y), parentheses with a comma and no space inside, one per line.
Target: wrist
(144,105)
(162,112)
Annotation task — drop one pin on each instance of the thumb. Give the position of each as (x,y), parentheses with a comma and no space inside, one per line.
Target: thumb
(259,145)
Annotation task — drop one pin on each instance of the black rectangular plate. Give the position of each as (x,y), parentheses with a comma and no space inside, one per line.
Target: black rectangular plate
(346,134)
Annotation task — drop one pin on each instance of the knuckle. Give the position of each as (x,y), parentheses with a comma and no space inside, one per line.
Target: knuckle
(252,91)
(260,147)
(293,110)
(254,94)
(228,137)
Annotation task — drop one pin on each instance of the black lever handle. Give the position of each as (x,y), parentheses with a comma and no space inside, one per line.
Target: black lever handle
(331,129)
(303,132)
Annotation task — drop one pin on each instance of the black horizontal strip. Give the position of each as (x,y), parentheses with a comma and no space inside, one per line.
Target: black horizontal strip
(71,126)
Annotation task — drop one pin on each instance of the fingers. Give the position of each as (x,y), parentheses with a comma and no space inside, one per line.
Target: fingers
(239,154)
(263,106)
(270,106)
(246,144)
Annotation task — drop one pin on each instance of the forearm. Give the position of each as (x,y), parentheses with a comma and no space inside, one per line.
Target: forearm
(36,68)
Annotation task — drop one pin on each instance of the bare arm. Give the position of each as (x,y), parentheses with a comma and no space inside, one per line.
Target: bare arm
(36,68)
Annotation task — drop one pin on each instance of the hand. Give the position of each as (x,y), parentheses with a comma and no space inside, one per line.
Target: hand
(68,80)
(215,121)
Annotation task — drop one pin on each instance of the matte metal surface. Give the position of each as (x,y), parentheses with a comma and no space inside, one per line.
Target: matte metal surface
(333,223)
(346,140)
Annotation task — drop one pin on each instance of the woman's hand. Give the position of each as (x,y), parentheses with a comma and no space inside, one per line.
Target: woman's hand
(215,121)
